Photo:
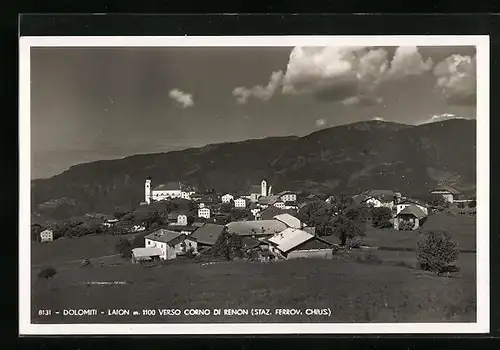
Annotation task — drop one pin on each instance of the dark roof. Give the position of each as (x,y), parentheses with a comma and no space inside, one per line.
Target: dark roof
(269,200)
(446,187)
(250,242)
(270,212)
(413,201)
(360,198)
(412,210)
(163,235)
(169,186)
(208,233)
(179,228)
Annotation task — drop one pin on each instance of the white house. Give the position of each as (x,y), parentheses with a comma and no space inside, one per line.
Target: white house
(170,243)
(204,213)
(256,213)
(287,196)
(46,236)
(241,202)
(406,203)
(449,193)
(166,191)
(279,204)
(227,198)
(182,219)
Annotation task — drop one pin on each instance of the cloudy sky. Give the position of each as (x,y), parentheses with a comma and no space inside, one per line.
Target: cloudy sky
(101,103)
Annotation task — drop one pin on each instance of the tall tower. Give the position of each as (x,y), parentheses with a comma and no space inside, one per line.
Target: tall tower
(263,188)
(147,190)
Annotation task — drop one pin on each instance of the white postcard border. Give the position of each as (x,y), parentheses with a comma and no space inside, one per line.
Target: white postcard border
(482,250)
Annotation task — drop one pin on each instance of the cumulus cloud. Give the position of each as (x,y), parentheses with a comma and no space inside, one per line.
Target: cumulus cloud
(456,78)
(346,74)
(407,60)
(182,98)
(264,93)
(334,73)
(378,119)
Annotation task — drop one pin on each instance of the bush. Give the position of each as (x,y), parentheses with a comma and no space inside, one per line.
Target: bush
(354,243)
(406,226)
(47,273)
(436,251)
(472,204)
(381,217)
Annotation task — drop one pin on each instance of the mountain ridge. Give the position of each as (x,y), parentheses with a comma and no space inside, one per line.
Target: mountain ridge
(347,158)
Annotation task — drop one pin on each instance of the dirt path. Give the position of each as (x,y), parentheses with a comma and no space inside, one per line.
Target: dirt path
(75,261)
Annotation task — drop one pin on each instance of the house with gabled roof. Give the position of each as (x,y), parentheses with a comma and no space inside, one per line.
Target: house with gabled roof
(256,228)
(170,243)
(289,220)
(272,211)
(207,235)
(412,215)
(448,192)
(295,243)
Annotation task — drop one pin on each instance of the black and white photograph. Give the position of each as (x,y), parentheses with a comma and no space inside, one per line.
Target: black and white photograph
(309,184)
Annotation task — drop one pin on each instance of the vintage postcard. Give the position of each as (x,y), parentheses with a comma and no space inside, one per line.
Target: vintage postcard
(254,185)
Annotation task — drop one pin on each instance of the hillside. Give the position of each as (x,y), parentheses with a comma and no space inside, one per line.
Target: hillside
(348,158)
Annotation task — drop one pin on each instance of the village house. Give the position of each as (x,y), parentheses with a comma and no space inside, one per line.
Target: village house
(412,215)
(289,220)
(287,196)
(256,249)
(145,254)
(271,212)
(207,235)
(291,206)
(381,198)
(409,202)
(449,193)
(279,204)
(256,228)
(171,243)
(162,192)
(227,198)
(204,213)
(46,236)
(295,243)
(241,203)
(220,219)
(182,217)
(183,229)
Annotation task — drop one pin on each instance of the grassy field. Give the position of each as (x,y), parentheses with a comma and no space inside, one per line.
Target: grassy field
(386,289)
(461,228)
(74,249)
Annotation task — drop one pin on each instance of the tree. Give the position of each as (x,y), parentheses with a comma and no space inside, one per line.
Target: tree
(436,251)
(226,207)
(228,246)
(381,217)
(316,214)
(345,220)
(124,248)
(472,203)
(438,201)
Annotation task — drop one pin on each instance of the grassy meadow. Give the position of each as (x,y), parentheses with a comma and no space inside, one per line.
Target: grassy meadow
(357,286)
